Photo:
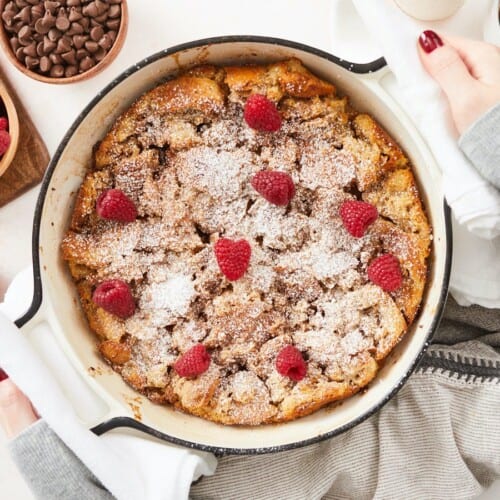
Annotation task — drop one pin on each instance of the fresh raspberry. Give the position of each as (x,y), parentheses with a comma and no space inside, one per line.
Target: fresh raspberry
(233,257)
(385,272)
(193,362)
(291,364)
(276,187)
(357,216)
(3,375)
(115,297)
(4,123)
(116,205)
(4,141)
(261,114)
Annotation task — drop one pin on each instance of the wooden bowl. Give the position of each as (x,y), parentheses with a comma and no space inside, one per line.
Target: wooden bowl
(11,113)
(110,56)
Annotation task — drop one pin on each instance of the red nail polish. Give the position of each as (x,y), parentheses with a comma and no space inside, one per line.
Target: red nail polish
(3,375)
(429,40)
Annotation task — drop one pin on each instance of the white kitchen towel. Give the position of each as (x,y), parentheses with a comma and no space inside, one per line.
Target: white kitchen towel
(129,467)
(475,204)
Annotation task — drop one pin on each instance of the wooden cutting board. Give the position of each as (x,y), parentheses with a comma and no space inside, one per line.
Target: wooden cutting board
(31,160)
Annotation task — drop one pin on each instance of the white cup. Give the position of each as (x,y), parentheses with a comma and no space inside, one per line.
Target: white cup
(429,10)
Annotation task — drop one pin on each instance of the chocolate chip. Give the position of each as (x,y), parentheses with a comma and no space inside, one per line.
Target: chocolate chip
(102,18)
(90,10)
(8,17)
(44,24)
(70,71)
(86,63)
(81,54)
(69,57)
(74,14)
(41,26)
(102,7)
(85,22)
(24,15)
(45,64)
(72,3)
(105,42)
(30,50)
(114,11)
(25,35)
(79,41)
(55,58)
(62,22)
(48,45)
(100,54)
(20,54)
(37,12)
(14,43)
(75,29)
(113,24)
(31,62)
(96,33)
(54,34)
(51,6)
(62,46)
(57,71)
(39,49)
(11,7)
(91,46)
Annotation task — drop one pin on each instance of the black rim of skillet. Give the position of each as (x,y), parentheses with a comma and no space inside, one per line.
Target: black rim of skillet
(118,422)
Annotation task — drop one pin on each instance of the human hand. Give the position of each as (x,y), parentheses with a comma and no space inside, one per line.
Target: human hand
(16,412)
(468,71)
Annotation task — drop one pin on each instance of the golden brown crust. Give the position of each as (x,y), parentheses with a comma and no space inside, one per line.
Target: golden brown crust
(287,78)
(117,353)
(184,155)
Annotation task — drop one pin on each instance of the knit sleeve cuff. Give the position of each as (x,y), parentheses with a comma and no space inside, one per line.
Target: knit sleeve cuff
(481,144)
(51,469)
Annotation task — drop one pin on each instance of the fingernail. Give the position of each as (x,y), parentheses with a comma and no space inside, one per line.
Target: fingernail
(3,375)
(429,40)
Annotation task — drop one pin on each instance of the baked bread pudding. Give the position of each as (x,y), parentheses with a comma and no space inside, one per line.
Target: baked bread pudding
(246,246)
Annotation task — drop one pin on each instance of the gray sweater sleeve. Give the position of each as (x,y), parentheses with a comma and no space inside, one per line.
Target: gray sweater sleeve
(481,144)
(51,469)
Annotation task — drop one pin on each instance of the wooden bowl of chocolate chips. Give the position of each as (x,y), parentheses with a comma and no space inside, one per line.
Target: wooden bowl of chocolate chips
(62,41)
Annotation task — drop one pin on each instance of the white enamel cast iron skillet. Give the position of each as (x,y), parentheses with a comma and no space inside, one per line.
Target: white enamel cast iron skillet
(55,301)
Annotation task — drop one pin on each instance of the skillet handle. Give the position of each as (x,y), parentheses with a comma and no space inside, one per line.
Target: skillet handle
(84,398)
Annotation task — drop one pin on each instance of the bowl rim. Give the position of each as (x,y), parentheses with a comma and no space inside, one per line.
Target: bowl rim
(14,131)
(101,65)
(122,421)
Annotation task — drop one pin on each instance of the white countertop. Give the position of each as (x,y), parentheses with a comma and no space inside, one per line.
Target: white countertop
(153,25)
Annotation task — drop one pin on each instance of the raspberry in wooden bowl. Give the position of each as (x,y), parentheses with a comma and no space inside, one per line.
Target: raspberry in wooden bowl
(263,249)
(9,128)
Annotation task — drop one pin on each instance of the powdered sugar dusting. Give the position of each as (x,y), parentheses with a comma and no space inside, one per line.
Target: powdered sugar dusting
(173,295)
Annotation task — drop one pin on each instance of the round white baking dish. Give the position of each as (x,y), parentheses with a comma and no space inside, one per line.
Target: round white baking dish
(55,300)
